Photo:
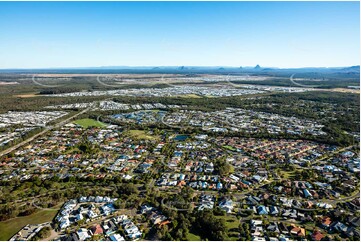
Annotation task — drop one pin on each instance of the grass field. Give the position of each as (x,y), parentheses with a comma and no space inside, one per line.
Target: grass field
(287,174)
(139,134)
(193,237)
(12,226)
(232,223)
(229,148)
(87,122)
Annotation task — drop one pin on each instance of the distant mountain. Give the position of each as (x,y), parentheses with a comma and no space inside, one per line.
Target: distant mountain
(182,68)
(269,69)
(352,69)
(257,67)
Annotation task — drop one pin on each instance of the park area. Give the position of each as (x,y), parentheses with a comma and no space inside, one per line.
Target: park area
(87,122)
(10,227)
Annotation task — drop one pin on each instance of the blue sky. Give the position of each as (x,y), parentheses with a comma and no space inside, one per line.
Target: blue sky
(272,34)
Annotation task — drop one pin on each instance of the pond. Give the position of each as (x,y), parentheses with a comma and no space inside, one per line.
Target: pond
(181,137)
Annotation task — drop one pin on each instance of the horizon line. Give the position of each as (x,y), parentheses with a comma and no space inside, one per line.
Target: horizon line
(172,66)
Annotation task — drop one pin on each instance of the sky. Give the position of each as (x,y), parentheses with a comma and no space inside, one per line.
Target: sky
(92,34)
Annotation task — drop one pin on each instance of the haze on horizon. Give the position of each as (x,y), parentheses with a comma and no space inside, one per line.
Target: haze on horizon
(93,34)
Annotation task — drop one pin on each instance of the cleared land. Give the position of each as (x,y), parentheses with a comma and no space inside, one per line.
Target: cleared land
(26,95)
(346,90)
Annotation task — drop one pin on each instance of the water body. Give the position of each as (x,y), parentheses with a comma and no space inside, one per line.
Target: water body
(181,137)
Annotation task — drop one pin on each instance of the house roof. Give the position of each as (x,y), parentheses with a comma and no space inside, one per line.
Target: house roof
(97,229)
(326,221)
(298,230)
(163,223)
(317,235)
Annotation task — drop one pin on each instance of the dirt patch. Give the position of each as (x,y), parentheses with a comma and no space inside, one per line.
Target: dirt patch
(349,90)
(26,95)
(9,83)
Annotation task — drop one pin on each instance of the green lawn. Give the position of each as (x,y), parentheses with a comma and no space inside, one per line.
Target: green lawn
(233,238)
(10,227)
(87,122)
(139,134)
(287,174)
(193,237)
(232,223)
(229,148)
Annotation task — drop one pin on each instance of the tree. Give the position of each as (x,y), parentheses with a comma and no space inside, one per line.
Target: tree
(43,233)
(209,226)
(128,189)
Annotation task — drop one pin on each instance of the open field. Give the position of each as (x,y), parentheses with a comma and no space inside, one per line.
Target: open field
(139,134)
(349,90)
(87,122)
(232,223)
(10,227)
